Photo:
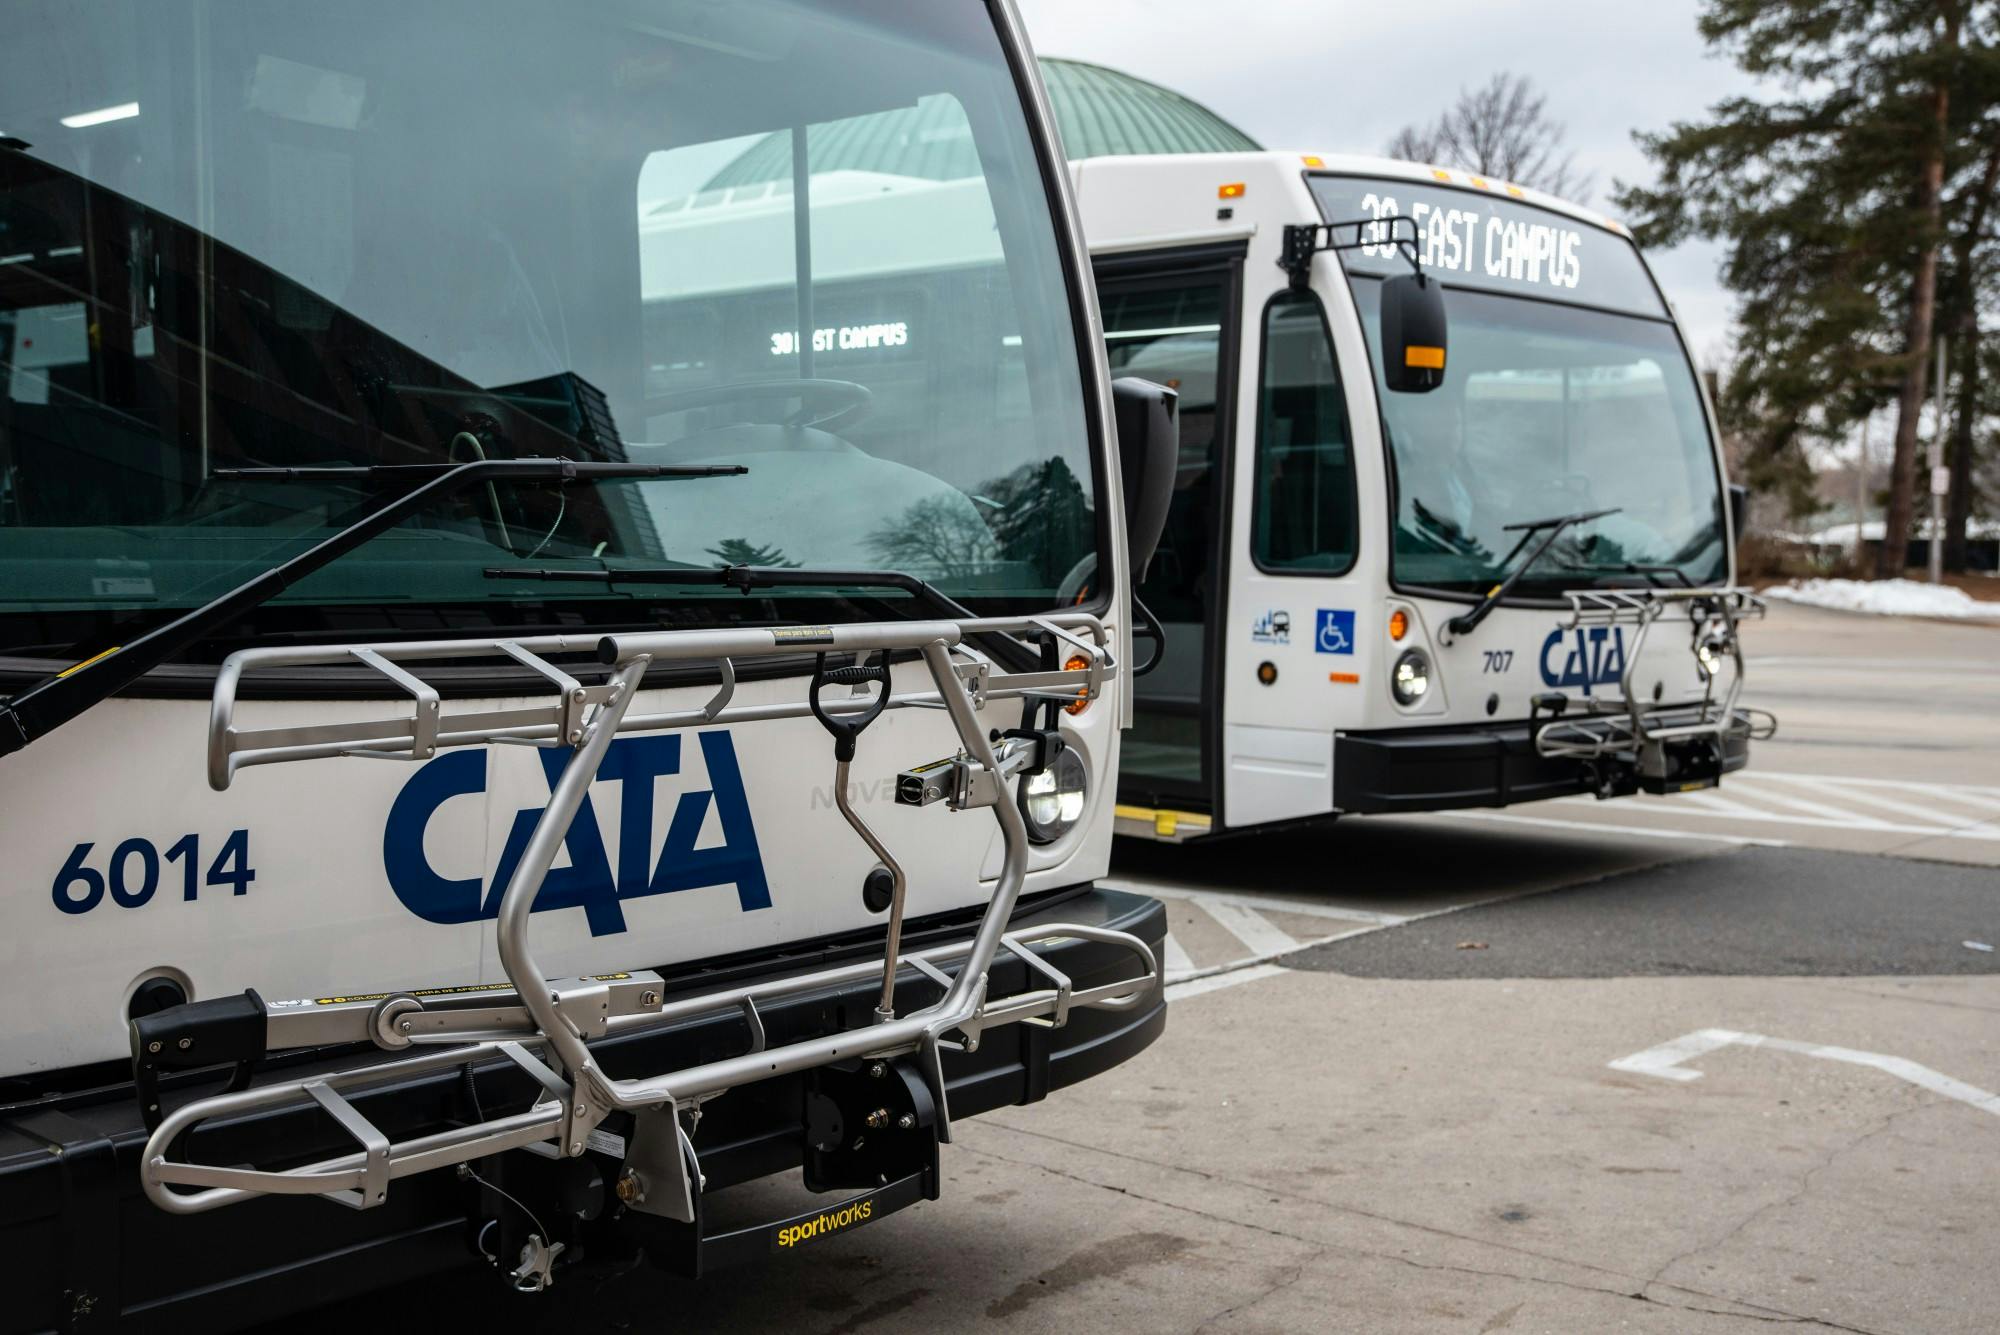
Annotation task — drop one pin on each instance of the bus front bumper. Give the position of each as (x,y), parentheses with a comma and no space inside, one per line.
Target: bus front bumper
(1499,764)
(90,1251)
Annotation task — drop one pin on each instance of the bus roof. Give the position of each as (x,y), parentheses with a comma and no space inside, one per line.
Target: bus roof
(1130,202)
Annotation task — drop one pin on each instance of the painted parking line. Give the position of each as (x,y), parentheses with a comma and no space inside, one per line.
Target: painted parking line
(1812,801)
(1607,827)
(1242,918)
(1666,1061)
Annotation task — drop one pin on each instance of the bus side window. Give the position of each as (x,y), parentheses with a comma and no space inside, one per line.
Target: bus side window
(1304,518)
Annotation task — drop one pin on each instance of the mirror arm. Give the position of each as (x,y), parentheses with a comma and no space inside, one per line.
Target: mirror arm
(1305,240)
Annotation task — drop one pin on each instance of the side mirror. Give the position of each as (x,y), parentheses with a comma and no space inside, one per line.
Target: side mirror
(1149,446)
(1739,508)
(1413,334)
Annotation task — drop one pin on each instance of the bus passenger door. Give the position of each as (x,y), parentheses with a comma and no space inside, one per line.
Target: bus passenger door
(1171,318)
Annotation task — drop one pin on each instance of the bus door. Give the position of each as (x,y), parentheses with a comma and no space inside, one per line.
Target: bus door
(1170,317)
(1303,596)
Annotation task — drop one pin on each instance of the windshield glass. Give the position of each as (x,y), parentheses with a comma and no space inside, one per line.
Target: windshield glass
(803,236)
(1547,411)
(1566,390)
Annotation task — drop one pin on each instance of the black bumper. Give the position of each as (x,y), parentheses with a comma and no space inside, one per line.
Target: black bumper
(88,1251)
(1442,769)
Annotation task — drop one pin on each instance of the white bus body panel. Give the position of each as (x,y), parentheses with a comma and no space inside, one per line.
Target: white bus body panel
(349,855)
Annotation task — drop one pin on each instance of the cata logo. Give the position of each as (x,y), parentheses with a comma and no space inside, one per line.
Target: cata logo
(1595,656)
(589,882)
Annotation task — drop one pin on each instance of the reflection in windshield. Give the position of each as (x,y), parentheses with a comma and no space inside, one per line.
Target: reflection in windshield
(1549,409)
(382,234)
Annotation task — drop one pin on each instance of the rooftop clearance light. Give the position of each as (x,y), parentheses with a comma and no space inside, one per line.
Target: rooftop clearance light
(1234,190)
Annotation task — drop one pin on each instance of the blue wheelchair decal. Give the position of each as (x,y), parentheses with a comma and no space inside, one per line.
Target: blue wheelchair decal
(1335,632)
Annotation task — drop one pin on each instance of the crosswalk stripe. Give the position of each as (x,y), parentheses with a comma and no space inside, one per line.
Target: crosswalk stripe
(1708,802)
(1965,792)
(1267,903)
(1837,815)
(1253,929)
(1876,799)
(1177,960)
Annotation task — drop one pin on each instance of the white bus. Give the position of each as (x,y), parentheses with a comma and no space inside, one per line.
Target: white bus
(516,713)
(1508,579)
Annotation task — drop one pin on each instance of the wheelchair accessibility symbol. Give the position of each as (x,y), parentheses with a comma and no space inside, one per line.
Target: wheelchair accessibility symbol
(1335,632)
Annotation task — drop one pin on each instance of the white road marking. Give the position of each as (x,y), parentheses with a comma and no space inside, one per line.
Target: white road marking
(1267,903)
(1215,982)
(1836,815)
(1605,827)
(1665,1061)
(1713,802)
(1876,799)
(1966,792)
(1253,929)
(1177,961)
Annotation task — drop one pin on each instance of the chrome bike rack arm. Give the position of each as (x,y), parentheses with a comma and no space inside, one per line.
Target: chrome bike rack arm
(558,1018)
(1625,729)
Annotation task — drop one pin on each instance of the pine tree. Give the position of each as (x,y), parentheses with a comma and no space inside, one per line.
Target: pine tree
(1833,199)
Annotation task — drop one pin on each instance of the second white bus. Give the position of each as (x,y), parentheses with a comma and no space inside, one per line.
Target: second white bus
(1511,579)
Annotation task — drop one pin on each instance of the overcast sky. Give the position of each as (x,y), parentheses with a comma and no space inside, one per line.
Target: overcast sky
(1340,76)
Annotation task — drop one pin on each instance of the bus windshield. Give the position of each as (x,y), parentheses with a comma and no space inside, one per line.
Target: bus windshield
(809,237)
(1548,408)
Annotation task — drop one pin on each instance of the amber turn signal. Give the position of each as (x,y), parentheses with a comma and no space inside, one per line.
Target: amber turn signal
(1077,663)
(1399,624)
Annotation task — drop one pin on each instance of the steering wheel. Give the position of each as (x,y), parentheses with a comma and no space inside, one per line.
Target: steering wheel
(826,404)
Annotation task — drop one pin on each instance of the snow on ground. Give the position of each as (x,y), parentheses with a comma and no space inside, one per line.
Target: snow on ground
(1886,597)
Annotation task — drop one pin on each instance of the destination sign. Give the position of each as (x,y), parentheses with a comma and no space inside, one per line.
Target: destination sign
(1476,239)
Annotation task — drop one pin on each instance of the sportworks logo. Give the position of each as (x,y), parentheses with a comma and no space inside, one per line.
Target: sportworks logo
(1596,657)
(830,1222)
(635,763)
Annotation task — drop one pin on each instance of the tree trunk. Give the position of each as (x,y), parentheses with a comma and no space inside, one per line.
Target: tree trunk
(1895,551)
(1958,504)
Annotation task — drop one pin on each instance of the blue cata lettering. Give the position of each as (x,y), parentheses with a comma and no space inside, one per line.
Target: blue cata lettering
(1595,656)
(588,882)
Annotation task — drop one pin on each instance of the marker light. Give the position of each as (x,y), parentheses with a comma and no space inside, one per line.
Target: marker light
(1441,173)
(1411,681)
(1052,801)
(1234,190)
(1423,357)
(1267,672)
(1313,160)
(83,120)
(1077,663)
(1399,624)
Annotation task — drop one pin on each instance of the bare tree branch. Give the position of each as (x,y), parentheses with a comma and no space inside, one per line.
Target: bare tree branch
(1502,130)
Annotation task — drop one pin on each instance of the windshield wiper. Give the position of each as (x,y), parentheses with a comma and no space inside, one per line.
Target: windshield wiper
(1650,573)
(1008,650)
(748,578)
(50,703)
(1467,622)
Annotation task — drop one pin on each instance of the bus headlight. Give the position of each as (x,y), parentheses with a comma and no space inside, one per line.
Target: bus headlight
(1052,801)
(1709,652)
(1411,680)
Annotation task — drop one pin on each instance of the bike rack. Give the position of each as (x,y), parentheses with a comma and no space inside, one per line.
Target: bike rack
(544,1026)
(1632,732)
